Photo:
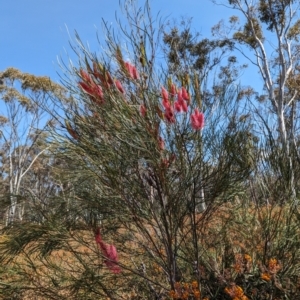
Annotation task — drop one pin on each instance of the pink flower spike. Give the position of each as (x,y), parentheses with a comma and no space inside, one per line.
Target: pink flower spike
(85,76)
(86,88)
(143,110)
(179,97)
(113,258)
(98,91)
(135,73)
(184,106)
(166,104)
(178,107)
(119,86)
(164,94)
(128,67)
(109,252)
(197,120)
(169,115)
(185,94)
(173,90)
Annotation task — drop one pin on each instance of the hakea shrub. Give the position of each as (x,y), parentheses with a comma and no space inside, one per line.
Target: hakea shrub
(147,145)
(156,171)
(100,87)
(107,95)
(98,83)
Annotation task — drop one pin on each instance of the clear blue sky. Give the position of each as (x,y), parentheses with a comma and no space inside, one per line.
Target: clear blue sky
(33,32)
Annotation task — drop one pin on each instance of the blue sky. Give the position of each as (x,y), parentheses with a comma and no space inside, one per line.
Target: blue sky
(33,33)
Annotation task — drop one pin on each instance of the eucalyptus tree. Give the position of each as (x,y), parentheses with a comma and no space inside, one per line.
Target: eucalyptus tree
(266,32)
(23,140)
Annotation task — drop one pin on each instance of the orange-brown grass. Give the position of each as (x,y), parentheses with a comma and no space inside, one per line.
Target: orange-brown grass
(230,230)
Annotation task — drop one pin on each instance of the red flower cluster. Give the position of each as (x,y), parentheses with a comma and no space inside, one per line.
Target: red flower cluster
(180,105)
(169,110)
(132,71)
(119,86)
(109,252)
(197,120)
(173,90)
(90,87)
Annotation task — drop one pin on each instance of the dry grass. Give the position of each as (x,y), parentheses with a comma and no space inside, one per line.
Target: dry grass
(228,235)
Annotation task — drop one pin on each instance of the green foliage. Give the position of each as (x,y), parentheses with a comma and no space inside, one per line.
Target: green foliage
(251,34)
(294,31)
(273,13)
